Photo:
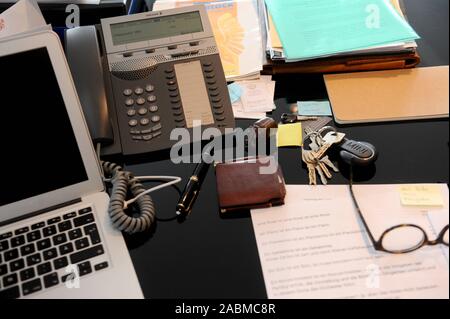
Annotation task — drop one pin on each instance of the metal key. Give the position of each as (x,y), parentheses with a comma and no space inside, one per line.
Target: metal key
(311,163)
(315,159)
(329,140)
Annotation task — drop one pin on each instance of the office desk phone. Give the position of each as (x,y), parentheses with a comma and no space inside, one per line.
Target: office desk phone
(140,76)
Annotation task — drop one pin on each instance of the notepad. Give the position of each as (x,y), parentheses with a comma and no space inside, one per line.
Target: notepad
(421,195)
(289,135)
(310,29)
(395,95)
(235,91)
(314,108)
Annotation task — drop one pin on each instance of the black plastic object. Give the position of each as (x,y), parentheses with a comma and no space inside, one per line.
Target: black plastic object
(357,153)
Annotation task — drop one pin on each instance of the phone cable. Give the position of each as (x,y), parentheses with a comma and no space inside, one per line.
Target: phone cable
(124,183)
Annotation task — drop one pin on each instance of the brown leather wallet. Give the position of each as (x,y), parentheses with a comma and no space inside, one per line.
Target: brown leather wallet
(241,185)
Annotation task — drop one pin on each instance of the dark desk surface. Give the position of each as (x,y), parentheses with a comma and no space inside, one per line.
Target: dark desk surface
(210,257)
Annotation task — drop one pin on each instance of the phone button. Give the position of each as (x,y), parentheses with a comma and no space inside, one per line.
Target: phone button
(140,101)
(220,118)
(170,76)
(156,134)
(135,132)
(144,121)
(153,108)
(137,138)
(207,63)
(217,106)
(171,82)
(129,102)
(169,70)
(139,91)
(131,112)
(177,112)
(210,75)
(211,81)
(151,98)
(218,112)
(216,100)
(127,92)
(175,100)
(150,88)
(142,111)
(208,70)
(176,106)
(156,118)
(133,123)
(157,127)
(173,94)
(212,88)
(147,137)
(214,94)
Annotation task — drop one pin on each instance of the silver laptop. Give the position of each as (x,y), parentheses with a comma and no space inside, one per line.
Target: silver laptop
(56,239)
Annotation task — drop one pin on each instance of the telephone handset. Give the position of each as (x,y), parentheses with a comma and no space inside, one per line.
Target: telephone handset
(140,76)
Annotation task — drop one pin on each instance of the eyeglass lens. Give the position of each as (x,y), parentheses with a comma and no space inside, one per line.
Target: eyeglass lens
(403,239)
(445,238)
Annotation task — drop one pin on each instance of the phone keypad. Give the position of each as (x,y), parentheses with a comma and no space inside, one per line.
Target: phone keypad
(142,115)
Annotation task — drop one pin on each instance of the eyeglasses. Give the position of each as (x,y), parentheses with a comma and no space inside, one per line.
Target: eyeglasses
(400,239)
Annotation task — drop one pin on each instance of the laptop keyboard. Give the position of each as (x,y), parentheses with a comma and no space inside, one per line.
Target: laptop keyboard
(35,257)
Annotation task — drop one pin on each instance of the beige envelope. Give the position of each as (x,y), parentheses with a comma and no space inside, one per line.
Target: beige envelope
(395,95)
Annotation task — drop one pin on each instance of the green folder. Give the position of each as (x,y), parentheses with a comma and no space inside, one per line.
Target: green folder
(316,28)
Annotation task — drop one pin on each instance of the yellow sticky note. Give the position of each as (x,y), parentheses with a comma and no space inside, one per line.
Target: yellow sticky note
(289,135)
(421,195)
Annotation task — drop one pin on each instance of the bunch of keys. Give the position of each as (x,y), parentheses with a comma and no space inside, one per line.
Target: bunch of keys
(352,152)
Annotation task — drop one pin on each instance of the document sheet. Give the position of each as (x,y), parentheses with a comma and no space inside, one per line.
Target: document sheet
(310,29)
(315,246)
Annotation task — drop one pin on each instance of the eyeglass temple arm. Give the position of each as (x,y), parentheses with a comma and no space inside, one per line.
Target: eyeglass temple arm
(374,242)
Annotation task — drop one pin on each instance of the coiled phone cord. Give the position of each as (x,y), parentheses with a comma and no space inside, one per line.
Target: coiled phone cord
(124,182)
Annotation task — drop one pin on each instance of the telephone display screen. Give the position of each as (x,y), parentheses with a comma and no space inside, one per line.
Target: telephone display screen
(39,152)
(156,28)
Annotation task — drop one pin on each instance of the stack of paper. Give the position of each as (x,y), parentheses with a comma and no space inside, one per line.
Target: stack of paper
(302,30)
(237,30)
(23,17)
(252,99)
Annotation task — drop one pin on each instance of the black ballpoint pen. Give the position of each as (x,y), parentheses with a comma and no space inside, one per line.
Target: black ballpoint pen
(192,189)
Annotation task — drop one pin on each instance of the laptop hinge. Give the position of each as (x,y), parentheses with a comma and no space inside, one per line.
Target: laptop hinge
(42,211)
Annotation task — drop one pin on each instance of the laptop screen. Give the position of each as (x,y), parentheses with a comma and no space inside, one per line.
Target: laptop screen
(38,149)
